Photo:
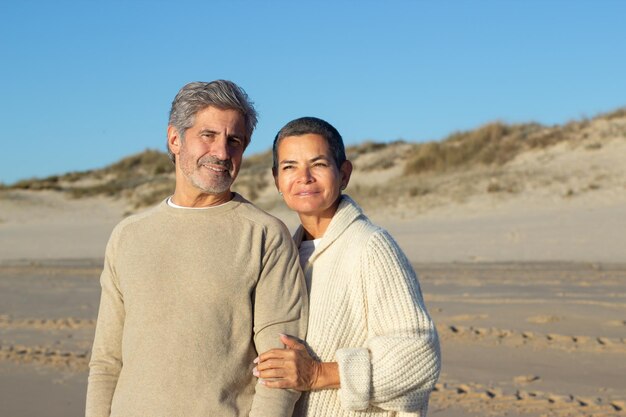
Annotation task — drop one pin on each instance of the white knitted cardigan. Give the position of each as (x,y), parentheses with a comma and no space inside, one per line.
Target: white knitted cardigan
(367,314)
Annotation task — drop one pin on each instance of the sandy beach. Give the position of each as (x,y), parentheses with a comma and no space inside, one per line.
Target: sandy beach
(522,339)
(532,323)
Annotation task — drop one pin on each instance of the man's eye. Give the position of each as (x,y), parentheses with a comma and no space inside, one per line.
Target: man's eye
(235,141)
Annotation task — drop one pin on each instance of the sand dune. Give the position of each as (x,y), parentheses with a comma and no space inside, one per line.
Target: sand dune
(522,265)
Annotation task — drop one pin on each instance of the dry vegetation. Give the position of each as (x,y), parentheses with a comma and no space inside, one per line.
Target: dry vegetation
(492,144)
(143,179)
(386,174)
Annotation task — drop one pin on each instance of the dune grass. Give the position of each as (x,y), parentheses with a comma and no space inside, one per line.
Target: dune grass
(491,144)
(147,177)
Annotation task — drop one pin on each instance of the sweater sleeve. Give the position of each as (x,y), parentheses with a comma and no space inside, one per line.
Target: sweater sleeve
(401,362)
(106,355)
(280,306)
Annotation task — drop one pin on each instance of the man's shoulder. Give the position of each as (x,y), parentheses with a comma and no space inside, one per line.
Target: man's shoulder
(252,213)
(137,218)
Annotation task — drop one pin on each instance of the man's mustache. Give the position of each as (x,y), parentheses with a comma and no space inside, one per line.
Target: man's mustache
(226,163)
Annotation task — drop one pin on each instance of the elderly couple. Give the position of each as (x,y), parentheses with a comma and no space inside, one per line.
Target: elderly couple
(210,308)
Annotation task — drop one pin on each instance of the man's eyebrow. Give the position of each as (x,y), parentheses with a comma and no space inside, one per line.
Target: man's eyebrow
(235,135)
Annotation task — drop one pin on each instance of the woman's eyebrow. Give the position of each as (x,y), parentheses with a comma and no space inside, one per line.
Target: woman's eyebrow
(287,161)
(318,157)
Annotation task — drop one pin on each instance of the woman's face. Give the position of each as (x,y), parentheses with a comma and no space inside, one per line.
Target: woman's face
(308,177)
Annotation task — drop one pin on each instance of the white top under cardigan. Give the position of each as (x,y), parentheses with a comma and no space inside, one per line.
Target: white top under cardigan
(367,314)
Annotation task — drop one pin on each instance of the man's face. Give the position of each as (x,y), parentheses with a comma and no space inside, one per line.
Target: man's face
(210,154)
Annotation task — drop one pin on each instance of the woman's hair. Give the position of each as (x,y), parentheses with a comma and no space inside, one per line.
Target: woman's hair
(196,96)
(312,125)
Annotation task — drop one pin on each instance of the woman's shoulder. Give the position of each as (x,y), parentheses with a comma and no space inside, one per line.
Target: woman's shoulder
(377,236)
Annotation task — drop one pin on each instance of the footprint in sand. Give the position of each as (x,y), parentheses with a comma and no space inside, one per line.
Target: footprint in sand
(525,379)
(544,319)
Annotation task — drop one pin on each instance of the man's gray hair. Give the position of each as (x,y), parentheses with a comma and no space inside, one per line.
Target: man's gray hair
(196,96)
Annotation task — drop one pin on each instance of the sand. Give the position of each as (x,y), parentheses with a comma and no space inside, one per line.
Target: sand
(528,294)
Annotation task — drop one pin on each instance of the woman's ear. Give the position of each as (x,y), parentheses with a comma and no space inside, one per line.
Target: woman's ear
(275,175)
(345,171)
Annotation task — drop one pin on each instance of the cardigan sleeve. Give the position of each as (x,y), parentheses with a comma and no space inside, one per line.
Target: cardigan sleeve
(106,355)
(400,364)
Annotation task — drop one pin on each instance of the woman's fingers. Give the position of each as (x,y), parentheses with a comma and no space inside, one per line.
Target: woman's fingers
(291,342)
(278,383)
(276,364)
(292,367)
(275,355)
(276,377)
(272,373)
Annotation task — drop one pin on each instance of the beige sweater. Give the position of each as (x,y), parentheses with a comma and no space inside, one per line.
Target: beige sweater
(188,299)
(366,312)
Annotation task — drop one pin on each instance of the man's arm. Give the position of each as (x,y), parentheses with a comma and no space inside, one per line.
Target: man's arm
(106,355)
(280,306)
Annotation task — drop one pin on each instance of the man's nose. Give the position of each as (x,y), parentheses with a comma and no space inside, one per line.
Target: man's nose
(220,149)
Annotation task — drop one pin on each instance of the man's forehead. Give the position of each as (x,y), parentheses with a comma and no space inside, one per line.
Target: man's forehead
(214,114)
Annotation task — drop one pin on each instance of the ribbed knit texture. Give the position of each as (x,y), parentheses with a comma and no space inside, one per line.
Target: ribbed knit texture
(367,314)
(188,299)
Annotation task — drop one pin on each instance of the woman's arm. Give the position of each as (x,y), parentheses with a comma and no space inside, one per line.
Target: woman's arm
(400,363)
(294,368)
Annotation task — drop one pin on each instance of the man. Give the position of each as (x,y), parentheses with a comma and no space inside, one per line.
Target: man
(193,288)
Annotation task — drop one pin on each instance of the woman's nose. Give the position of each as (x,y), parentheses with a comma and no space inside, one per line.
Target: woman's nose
(305,176)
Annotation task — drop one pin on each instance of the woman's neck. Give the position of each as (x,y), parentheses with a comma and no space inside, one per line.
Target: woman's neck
(315,225)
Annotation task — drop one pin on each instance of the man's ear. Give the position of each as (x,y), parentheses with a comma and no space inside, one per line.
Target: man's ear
(174,141)
(345,171)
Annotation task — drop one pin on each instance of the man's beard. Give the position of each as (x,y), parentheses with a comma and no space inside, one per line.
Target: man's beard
(210,183)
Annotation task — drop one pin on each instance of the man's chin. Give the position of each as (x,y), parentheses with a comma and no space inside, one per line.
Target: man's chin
(214,189)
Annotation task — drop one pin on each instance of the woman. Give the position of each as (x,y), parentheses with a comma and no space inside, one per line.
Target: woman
(373,348)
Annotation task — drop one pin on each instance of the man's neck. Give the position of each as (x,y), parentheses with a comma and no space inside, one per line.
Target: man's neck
(198,199)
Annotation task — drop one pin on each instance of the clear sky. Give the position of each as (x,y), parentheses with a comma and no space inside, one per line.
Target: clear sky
(85,83)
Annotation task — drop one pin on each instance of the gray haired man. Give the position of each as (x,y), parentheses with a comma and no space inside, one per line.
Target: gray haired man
(193,288)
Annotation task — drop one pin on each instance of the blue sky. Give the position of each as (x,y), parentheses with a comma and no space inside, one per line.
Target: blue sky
(85,83)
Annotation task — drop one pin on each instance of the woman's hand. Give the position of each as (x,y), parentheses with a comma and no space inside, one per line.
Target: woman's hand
(294,368)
